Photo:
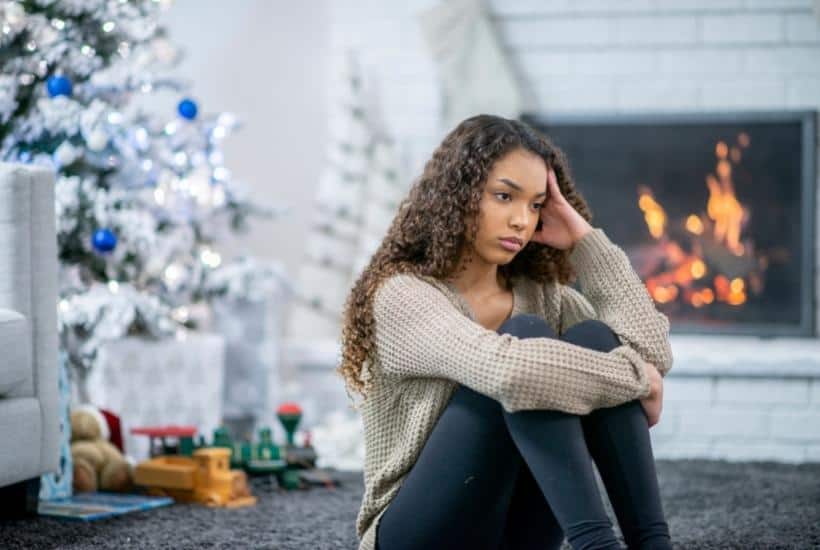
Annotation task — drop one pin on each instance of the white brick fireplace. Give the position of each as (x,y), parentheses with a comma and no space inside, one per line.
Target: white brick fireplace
(736,398)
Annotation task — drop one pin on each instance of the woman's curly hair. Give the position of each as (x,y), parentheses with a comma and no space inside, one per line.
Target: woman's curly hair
(438,217)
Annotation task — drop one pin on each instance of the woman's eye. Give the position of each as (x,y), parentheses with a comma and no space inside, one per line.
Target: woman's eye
(538,205)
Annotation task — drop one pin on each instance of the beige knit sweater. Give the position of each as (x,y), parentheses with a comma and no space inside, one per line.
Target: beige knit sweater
(428,342)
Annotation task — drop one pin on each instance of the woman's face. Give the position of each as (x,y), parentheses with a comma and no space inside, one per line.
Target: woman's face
(510,205)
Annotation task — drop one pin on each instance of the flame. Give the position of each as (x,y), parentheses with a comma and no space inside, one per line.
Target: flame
(653,214)
(694,225)
(721,226)
(725,210)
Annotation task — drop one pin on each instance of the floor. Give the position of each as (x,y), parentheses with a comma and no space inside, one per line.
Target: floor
(708,504)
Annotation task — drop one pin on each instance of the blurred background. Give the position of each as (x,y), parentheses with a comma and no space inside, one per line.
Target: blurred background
(223,171)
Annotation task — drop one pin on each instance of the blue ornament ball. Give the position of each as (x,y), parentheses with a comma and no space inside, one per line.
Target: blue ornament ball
(58,85)
(103,240)
(187,108)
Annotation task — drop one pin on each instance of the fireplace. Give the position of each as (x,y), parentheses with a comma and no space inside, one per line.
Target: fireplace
(716,211)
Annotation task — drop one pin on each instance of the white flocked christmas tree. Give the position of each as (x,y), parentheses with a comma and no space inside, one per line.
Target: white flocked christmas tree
(357,197)
(142,197)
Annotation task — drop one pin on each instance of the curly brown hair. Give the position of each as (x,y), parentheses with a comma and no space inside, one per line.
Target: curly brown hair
(438,217)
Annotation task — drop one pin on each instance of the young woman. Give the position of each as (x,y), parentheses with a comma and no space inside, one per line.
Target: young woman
(490,384)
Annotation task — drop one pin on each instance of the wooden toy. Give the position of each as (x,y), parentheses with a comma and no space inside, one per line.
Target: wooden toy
(260,457)
(204,477)
(289,414)
(166,440)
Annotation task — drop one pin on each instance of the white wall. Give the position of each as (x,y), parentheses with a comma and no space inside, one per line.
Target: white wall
(591,55)
(265,61)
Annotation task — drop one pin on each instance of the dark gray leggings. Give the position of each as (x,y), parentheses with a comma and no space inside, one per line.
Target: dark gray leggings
(489,479)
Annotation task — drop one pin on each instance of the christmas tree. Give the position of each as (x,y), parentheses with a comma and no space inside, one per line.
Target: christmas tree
(142,197)
(383,191)
(359,192)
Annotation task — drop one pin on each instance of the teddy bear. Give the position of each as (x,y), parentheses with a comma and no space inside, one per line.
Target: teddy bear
(98,464)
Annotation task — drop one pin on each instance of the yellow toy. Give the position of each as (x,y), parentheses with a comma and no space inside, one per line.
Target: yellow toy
(205,478)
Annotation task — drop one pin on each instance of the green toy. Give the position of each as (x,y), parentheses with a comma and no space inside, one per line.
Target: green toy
(289,414)
(262,457)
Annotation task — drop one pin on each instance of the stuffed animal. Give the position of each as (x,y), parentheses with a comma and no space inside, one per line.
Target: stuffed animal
(98,464)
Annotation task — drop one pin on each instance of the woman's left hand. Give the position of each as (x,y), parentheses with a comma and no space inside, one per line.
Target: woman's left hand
(652,404)
(561,225)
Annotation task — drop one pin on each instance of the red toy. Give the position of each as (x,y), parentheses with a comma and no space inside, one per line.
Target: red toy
(159,445)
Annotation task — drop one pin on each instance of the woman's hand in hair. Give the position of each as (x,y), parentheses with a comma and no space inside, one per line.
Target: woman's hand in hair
(561,225)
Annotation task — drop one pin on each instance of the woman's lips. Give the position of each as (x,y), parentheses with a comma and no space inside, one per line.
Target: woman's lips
(510,245)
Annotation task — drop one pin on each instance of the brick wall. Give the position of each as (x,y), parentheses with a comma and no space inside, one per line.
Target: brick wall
(739,418)
(585,55)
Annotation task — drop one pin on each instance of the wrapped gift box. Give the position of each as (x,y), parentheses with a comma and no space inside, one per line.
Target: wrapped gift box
(58,485)
(154,382)
(251,331)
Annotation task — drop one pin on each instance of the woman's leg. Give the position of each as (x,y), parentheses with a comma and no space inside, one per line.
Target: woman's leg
(530,522)
(458,492)
(618,439)
(551,442)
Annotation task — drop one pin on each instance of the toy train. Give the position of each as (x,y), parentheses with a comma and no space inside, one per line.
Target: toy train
(203,477)
(259,457)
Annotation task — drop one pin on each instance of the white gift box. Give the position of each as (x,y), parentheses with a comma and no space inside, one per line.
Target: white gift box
(157,382)
(252,352)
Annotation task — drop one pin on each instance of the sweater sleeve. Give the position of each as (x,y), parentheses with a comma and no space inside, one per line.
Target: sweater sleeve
(612,292)
(418,332)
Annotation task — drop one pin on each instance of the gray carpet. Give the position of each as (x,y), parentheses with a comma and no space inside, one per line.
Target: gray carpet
(708,504)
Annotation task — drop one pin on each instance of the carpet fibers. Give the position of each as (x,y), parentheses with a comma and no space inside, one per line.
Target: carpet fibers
(708,504)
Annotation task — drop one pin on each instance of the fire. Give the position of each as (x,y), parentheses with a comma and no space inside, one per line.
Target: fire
(716,240)
(694,225)
(653,214)
(727,213)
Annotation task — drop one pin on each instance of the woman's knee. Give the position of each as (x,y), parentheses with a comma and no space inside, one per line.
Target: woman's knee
(477,412)
(527,325)
(468,398)
(592,334)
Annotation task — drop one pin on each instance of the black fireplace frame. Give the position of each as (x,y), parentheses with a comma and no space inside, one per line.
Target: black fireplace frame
(808,209)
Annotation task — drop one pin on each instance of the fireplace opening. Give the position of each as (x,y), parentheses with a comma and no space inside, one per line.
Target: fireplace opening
(715,211)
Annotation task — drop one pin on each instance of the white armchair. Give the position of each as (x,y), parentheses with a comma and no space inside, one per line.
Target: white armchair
(29,417)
